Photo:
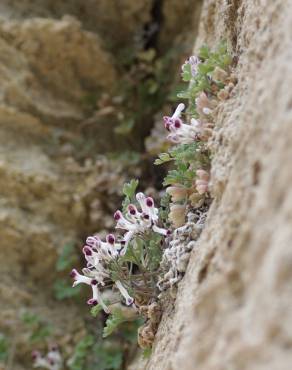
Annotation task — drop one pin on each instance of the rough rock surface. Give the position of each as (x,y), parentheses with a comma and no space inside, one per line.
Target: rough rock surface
(233,308)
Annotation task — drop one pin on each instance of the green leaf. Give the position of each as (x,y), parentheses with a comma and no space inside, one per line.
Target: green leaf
(95,310)
(187,73)
(205,68)
(43,332)
(4,347)
(184,94)
(67,257)
(125,127)
(30,319)
(113,321)
(81,351)
(63,290)
(204,52)
(154,252)
(129,330)
(108,356)
(146,352)
(129,189)
(163,158)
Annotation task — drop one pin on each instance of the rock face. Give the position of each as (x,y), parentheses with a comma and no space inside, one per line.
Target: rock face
(233,308)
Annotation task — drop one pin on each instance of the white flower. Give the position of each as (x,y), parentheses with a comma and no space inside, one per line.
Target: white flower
(193,61)
(93,282)
(52,361)
(138,222)
(124,293)
(168,121)
(99,254)
(181,133)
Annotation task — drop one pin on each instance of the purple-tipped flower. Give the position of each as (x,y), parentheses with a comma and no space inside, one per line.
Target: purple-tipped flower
(87,251)
(110,239)
(35,355)
(79,279)
(117,215)
(193,61)
(73,273)
(124,293)
(52,361)
(149,202)
(138,222)
(132,209)
(92,302)
(175,118)
(98,276)
(180,133)
(93,241)
(99,254)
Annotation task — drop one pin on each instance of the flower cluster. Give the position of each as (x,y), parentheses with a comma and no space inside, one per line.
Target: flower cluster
(209,80)
(105,258)
(52,361)
(144,258)
(181,133)
(192,63)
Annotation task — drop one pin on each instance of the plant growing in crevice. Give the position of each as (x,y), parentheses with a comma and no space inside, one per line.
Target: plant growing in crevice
(129,261)
(209,80)
(146,257)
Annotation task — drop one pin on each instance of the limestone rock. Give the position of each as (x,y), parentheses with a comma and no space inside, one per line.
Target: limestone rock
(233,307)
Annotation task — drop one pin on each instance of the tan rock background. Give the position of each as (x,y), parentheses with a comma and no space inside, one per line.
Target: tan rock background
(53,56)
(234,307)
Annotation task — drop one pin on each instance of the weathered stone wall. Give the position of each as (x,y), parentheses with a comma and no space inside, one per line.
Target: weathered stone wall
(233,307)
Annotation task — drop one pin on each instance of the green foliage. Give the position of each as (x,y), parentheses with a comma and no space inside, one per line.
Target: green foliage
(38,328)
(186,158)
(125,127)
(95,310)
(129,330)
(154,252)
(81,353)
(126,157)
(4,348)
(63,287)
(67,257)
(63,290)
(147,352)
(115,319)
(202,81)
(186,74)
(108,356)
(129,190)
(164,208)
(91,354)
(163,158)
